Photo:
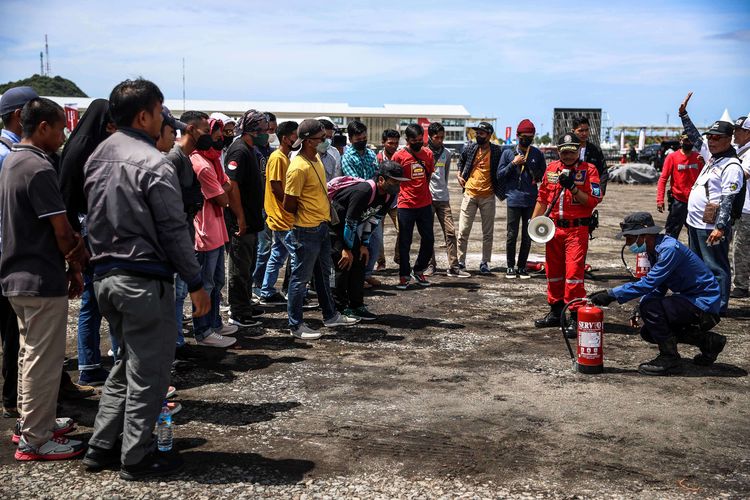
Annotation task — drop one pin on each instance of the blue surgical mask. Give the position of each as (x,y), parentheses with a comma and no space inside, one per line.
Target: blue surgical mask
(636,248)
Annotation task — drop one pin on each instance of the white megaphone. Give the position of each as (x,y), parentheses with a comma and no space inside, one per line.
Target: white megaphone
(541,229)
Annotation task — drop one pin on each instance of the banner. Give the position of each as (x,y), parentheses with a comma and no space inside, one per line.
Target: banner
(71,116)
(424,123)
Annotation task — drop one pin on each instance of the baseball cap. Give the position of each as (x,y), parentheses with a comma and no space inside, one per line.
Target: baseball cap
(568,142)
(170,120)
(720,128)
(308,128)
(392,170)
(16,98)
(638,223)
(742,122)
(485,126)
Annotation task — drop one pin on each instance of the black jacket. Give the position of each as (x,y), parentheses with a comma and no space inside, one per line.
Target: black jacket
(594,156)
(466,163)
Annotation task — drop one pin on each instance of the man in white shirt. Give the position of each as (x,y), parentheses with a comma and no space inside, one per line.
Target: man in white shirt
(741,258)
(710,202)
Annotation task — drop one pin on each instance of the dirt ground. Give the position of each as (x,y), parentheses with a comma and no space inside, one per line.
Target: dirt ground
(451,385)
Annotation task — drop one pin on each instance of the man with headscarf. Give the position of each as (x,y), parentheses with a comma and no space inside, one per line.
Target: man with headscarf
(95,125)
(210,237)
(245,219)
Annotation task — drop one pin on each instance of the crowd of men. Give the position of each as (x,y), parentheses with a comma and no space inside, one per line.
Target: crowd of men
(141,210)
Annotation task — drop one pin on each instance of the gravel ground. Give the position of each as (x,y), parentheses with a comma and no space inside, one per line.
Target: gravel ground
(451,393)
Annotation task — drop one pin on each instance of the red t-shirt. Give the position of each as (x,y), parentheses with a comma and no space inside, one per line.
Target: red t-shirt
(416,192)
(586,178)
(683,169)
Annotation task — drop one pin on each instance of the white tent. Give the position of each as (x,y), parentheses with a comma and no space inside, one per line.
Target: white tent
(642,139)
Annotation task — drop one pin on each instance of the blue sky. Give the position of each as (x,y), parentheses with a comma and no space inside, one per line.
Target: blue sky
(510,60)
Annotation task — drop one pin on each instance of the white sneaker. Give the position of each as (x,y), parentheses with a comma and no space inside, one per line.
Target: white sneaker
(340,320)
(216,340)
(304,332)
(227,330)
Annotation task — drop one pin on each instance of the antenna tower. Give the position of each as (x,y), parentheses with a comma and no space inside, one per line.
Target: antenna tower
(46,51)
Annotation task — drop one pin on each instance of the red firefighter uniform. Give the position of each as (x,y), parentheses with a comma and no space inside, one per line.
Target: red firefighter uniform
(566,251)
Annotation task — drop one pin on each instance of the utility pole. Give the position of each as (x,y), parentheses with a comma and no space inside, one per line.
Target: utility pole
(183,85)
(46,50)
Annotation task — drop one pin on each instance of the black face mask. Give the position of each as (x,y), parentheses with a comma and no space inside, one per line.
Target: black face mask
(686,146)
(416,146)
(525,141)
(204,142)
(359,145)
(481,140)
(218,144)
(228,141)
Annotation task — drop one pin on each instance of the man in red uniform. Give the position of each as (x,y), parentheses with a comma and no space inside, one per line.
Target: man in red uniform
(572,186)
(682,168)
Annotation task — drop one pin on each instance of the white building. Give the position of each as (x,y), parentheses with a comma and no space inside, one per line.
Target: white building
(455,118)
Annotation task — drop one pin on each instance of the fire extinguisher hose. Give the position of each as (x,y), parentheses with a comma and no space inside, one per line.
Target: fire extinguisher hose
(625,263)
(562,324)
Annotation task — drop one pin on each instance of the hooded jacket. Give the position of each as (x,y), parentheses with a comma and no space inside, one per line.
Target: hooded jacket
(466,163)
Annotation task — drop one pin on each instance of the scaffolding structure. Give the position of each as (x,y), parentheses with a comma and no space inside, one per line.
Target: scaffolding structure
(563,122)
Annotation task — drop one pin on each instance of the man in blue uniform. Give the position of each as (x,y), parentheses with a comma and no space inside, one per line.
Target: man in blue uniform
(687,315)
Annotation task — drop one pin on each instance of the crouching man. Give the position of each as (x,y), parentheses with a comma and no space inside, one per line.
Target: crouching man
(687,315)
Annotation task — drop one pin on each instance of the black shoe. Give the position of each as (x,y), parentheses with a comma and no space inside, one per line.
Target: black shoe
(10,412)
(739,293)
(552,319)
(666,363)
(243,321)
(97,459)
(94,377)
(713,345)
(154,464)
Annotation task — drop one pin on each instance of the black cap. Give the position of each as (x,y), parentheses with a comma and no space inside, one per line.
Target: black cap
(638,223)
(392,170)
(16,98)
(171,120)
(485,126)
(568,142)
(720,128)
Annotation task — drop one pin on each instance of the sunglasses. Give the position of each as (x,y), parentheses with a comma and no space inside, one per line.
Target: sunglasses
(714,137)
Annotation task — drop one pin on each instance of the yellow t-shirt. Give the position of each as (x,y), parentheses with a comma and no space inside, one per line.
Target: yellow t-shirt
(306,180)
(479,184)
(277,218)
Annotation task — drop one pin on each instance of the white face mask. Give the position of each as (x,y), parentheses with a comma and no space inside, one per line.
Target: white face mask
(323,146)
(272,138)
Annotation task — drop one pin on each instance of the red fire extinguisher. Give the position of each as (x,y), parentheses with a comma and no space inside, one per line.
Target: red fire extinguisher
(642,265)
(589,356)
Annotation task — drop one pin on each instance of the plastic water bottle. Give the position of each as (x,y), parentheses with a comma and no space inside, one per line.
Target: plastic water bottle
(164,429)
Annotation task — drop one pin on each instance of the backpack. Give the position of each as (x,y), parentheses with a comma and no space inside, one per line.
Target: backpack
(6,142)
(338,183)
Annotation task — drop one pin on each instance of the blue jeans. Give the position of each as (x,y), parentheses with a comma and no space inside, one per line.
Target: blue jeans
(279,252)
(180,293)
(89,325)
(311,257)
(716,257)
(212,273)
(376,239)
(265,240)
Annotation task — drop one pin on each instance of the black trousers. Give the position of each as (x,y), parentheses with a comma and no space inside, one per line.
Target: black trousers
(663,317)
(350,283)
(407,219)
(243,251)
(676,219)
(11,344)
(516,215)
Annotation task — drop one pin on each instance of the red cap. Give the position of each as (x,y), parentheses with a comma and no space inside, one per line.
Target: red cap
(526,127)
